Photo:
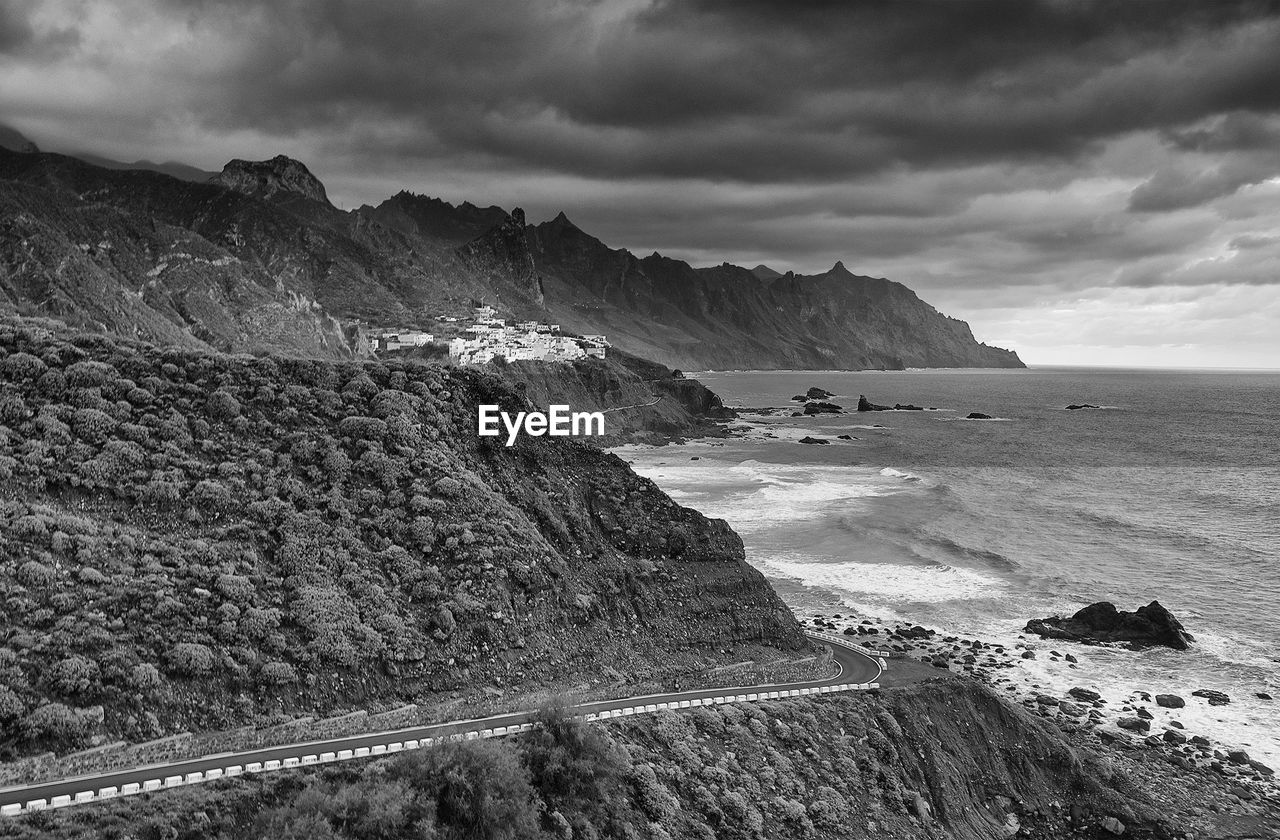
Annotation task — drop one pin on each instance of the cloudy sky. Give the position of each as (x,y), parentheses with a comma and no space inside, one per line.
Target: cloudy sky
(1085,182)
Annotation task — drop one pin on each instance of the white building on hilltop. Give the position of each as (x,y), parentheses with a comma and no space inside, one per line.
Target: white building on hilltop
(514,344)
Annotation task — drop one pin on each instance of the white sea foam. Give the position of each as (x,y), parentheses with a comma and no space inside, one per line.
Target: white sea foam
(886,582)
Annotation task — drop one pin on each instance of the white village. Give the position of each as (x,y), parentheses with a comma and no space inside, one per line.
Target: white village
(488,337)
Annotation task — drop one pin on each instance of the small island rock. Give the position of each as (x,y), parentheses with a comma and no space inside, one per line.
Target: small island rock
(865,404)
(1149,626)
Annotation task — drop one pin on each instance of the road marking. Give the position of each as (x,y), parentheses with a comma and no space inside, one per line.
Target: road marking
(761,692)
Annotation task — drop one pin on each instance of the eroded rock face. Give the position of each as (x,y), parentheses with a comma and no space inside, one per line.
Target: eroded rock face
(1149,626)
(270,178)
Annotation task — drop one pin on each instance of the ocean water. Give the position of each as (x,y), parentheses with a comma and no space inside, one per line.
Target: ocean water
(1169,492)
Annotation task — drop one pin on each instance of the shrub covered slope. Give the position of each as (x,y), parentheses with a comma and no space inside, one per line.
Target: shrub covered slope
(193,541)
(946,760)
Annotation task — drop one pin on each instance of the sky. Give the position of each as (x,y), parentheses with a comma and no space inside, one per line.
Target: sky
(1084,182)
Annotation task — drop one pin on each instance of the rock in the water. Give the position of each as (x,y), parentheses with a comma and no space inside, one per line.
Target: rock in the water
(906,407)
(1262,695)
(1085,694)
(1173,736)
(845,437)
(1148,626)
(865,404)
(1170,701)
(1238,757)
(1135,724)
(799,398)
(817,394)
(1078,406)
(1215,698)
(978,415)
(808,439)
(822,408)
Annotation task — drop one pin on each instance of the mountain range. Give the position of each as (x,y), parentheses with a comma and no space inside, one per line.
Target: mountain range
(256,259)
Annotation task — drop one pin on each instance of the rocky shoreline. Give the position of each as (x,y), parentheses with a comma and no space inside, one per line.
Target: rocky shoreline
(1206,780)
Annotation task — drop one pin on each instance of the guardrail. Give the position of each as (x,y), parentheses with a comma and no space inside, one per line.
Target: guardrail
(233,770)
(841,639)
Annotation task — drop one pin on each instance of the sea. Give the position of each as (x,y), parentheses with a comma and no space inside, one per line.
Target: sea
(1168,491)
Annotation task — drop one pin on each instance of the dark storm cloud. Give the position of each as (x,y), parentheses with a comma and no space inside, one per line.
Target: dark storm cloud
(750,91)
(19,38)
(1034,157)
(1176,188)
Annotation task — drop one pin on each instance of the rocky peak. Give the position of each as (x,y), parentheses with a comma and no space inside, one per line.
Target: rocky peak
(269,178)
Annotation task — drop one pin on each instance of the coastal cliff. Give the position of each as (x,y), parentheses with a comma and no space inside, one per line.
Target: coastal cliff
(257,259)
(729,317)
(643,402)
(194,541)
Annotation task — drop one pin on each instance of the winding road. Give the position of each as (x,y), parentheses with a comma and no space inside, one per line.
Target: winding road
(858,669)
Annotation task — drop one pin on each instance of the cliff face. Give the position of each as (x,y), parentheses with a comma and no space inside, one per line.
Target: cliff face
(270,178)
(735,318)
(644,402)
(191,541)
(257,259)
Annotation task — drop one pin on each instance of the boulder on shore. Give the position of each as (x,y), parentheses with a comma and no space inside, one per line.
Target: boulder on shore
(822,408)
(807,439)
(1149,626)
(1170,701)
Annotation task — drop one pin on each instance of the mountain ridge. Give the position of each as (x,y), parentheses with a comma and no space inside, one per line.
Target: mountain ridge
(283,270)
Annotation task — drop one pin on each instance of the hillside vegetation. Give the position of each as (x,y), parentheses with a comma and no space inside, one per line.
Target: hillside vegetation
(944,761)
(192,541)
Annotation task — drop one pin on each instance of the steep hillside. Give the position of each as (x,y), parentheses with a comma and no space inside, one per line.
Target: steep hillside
(192,541)
(732,317)
(257,259)
(644,402)
(944,761)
